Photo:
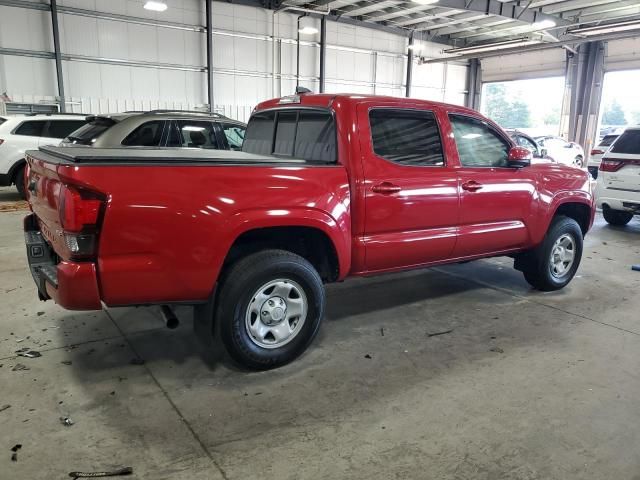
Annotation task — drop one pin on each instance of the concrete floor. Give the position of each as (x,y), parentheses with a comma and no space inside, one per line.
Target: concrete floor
(526,386)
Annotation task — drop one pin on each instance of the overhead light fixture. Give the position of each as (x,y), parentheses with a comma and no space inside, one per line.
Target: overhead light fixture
(544,24)
(490,47)
(602,29)
(307,26)
(425,2)
(155,6)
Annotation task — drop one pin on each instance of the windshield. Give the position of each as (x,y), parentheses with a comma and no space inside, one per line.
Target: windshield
(89,133)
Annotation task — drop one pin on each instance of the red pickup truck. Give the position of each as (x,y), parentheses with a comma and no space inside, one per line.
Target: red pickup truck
(328,186)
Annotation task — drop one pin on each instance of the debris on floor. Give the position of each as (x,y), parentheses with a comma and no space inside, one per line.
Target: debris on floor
(66,362)
(27,352)
(4,407)
(635,268)
(66,421)
(367,356)
(113,473)
(19,366)
(381,332)
(496,350)
(137,361)
(439,333)
(14,449)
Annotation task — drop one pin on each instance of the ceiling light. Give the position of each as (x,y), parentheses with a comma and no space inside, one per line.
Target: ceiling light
(155,6)
(307,26)
(602,29)
(425,2)
(543,24)
(492,46)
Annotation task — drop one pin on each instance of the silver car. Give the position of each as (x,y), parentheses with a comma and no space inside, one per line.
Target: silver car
(160,128)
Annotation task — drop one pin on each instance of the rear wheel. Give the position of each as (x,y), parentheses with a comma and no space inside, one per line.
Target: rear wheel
(553,264)
(579,161)
(270,307)
(618,218)
(19,181)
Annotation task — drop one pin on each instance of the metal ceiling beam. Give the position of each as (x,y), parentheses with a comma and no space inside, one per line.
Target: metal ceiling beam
(57,54)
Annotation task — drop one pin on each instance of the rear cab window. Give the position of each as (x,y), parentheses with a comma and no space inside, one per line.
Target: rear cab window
(406,137)
(302,133)
(627,143)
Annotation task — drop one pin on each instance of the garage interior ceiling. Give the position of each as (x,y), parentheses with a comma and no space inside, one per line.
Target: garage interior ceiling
(466,23)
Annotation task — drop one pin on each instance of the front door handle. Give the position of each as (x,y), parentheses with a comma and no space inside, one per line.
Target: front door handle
(386,188)
(471,186)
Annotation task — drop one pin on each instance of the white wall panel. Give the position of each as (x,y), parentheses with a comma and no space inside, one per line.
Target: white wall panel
(25,29)
(544,63)
(623,54)
(27,76)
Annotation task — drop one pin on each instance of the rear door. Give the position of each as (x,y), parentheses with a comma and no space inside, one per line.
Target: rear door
(411,197)
(496,201)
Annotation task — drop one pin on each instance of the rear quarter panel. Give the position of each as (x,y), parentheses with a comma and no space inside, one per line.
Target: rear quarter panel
(167,229)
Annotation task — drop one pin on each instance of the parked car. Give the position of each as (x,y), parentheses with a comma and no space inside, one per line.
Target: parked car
(528,142)
(568,153)
(21,133)
(596,154)
(618,190)
(327,187)
(160,128)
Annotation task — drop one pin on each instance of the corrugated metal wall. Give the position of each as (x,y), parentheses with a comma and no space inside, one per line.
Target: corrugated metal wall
(248,65)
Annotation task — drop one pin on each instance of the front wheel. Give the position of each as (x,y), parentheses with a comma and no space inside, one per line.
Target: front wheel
(579,161)
(617,218)
(552,265)
(271,306)
(19,179)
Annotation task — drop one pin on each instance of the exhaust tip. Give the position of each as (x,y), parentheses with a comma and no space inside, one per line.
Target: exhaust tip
(170,319)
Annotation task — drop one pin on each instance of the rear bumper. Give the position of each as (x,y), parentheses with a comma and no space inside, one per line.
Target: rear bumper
(72,285)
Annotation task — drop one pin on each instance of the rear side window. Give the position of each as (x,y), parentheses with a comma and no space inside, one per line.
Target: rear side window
(478,144)
(148,134)
(234,134)
(628,142)
(406,137)
(193,134)
(305,134)
(89,133)
(33,128)
(62,128)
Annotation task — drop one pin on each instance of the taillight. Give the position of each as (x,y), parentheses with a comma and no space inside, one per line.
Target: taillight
(615,164)
(80,212)
(597,152)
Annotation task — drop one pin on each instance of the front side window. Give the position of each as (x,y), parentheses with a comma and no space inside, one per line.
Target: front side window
(62,128)
(304,134)
(234,134)
(33,128)
(478,144)
(193,134)
(628,142)
(148,134)
(526,143)
(406,137)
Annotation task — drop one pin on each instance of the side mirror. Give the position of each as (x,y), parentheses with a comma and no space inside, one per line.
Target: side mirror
(519,157)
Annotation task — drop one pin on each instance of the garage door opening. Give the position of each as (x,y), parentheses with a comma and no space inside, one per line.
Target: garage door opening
(620,106)
(532,106)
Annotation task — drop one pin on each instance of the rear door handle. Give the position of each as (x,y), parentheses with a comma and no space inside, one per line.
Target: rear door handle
(386,188)
(471,186)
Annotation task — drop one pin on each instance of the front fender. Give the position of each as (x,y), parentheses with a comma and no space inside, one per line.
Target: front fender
(561,198)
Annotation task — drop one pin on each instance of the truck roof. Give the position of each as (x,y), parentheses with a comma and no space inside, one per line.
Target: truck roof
(327,99)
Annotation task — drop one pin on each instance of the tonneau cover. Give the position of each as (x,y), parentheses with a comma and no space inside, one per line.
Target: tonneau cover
(152,155)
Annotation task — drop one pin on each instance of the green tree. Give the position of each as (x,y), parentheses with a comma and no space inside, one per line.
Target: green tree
(613,114)
(552,117)
(635,117)
(498,107)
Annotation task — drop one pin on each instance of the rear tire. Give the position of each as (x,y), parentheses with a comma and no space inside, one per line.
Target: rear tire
(271,304)
(19,180)
(553,264)
(579,161)
(617,218)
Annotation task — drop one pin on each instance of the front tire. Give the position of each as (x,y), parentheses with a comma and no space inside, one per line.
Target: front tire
(553,264)
(19,180)
(579,161)
(617,218)
(270,307)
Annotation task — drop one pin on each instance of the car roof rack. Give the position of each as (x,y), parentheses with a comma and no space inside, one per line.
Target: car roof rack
(48,114)
(200,112)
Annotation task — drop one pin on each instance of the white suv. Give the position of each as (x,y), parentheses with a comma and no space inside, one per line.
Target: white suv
(21,133)
(618,192)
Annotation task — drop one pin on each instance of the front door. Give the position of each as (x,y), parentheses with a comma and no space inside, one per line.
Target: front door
(496,201)
(411,193)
